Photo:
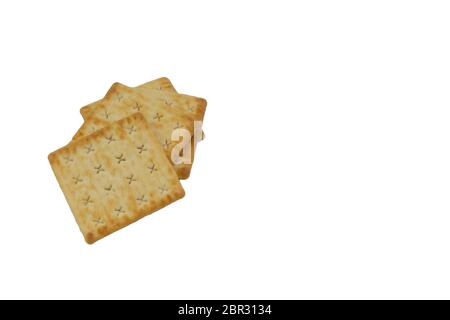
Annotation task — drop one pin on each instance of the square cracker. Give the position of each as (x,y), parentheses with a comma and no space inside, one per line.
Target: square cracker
(163,84)
(115,176)
(164,111)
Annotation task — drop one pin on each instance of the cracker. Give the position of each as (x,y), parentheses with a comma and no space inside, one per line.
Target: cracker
(115,176)
(186,105)
(163,84)
(163,110)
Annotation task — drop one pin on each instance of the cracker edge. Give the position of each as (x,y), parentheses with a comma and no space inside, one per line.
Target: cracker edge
(79,134)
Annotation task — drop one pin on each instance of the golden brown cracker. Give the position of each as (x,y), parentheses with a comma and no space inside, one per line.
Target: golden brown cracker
(115,176)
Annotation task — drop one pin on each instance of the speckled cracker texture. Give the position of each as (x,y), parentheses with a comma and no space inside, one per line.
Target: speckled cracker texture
(115,176)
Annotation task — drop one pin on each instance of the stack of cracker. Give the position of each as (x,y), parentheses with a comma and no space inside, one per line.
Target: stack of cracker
(127,158)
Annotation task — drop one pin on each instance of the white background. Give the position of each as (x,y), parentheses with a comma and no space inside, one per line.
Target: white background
(325,172)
